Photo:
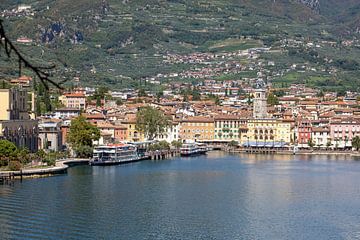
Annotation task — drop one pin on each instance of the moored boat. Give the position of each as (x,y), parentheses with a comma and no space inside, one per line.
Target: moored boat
(114,154)
(190,149)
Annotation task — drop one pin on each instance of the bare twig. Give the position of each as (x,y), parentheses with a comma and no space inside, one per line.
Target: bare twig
(40,71)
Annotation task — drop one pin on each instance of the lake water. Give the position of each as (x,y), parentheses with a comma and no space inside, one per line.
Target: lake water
(218,196)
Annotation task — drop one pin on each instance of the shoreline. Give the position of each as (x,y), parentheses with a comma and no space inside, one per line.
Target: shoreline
(62,166)
(289,152)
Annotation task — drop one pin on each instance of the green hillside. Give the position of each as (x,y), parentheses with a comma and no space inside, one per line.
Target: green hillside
(121,42)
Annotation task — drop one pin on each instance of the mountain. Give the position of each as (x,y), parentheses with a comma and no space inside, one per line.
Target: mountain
(118,42)
(313,4)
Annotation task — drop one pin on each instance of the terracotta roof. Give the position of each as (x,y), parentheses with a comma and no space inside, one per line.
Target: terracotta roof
(94,116)
(80,95)
(199,119)
(320,129)
(105,125)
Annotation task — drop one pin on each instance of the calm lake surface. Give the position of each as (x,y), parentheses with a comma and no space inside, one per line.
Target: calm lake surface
(218,196)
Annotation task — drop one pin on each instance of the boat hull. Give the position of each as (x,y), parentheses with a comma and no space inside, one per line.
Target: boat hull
(109,163)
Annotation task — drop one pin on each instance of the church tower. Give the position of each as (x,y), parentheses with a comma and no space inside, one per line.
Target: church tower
(260,104)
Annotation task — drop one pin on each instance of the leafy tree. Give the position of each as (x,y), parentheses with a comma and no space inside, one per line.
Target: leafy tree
(196,95)
(142,93)
(47,101)
(100,93)
(7,148)
(152,122)
(176,144)
(272,100)
(159,95)
(23,154)
(164,145)
(217,100)
(83,151)
(233,143)
(119,102)
(356,143)
(328,144)
(82,133)
(311,143)
(14,166)
(249,99)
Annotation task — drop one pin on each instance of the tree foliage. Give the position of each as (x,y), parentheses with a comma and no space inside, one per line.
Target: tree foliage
(152,122)
(82,133)
(356,143)
(7,148)
(162,145)
(272,100)
(176,144)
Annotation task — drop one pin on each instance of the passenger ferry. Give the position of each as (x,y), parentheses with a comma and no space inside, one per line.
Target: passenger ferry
(190,149)
(114,154)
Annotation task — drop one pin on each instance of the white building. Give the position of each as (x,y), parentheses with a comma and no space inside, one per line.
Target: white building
(321,137)
(172,133)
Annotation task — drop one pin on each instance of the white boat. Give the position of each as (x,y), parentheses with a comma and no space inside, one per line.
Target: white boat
(114,154)
(190,149)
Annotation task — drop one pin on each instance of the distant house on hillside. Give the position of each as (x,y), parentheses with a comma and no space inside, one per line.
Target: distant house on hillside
(73,100)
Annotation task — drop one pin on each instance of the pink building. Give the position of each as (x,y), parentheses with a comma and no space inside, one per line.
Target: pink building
(342,131)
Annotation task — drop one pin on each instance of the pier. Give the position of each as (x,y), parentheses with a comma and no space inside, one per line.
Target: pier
(164,154)
(7,177)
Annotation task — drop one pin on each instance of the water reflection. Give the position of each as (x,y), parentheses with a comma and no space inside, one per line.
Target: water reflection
(218,196)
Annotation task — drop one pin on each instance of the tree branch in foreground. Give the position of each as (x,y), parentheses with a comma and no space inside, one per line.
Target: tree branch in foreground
(40,71)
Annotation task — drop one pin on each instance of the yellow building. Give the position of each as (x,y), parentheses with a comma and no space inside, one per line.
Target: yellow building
(268,132)
(15,123)
(197,129)
(133,135)
(14,104)
(229,128)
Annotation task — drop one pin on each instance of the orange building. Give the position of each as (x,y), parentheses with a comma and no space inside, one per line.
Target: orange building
(197,128)
(120,133)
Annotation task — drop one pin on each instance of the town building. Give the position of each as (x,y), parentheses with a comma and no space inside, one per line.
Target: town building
(50,135)
(342,131)
(260,104)
(197,128)
(171,133)
(66,113)
(133,135)
(229,128)
(320,137)
(15,123)
(268,133)
(73,100)
(304,131)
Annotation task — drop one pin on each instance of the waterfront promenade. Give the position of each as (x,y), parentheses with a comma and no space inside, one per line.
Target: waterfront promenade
(59,168)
